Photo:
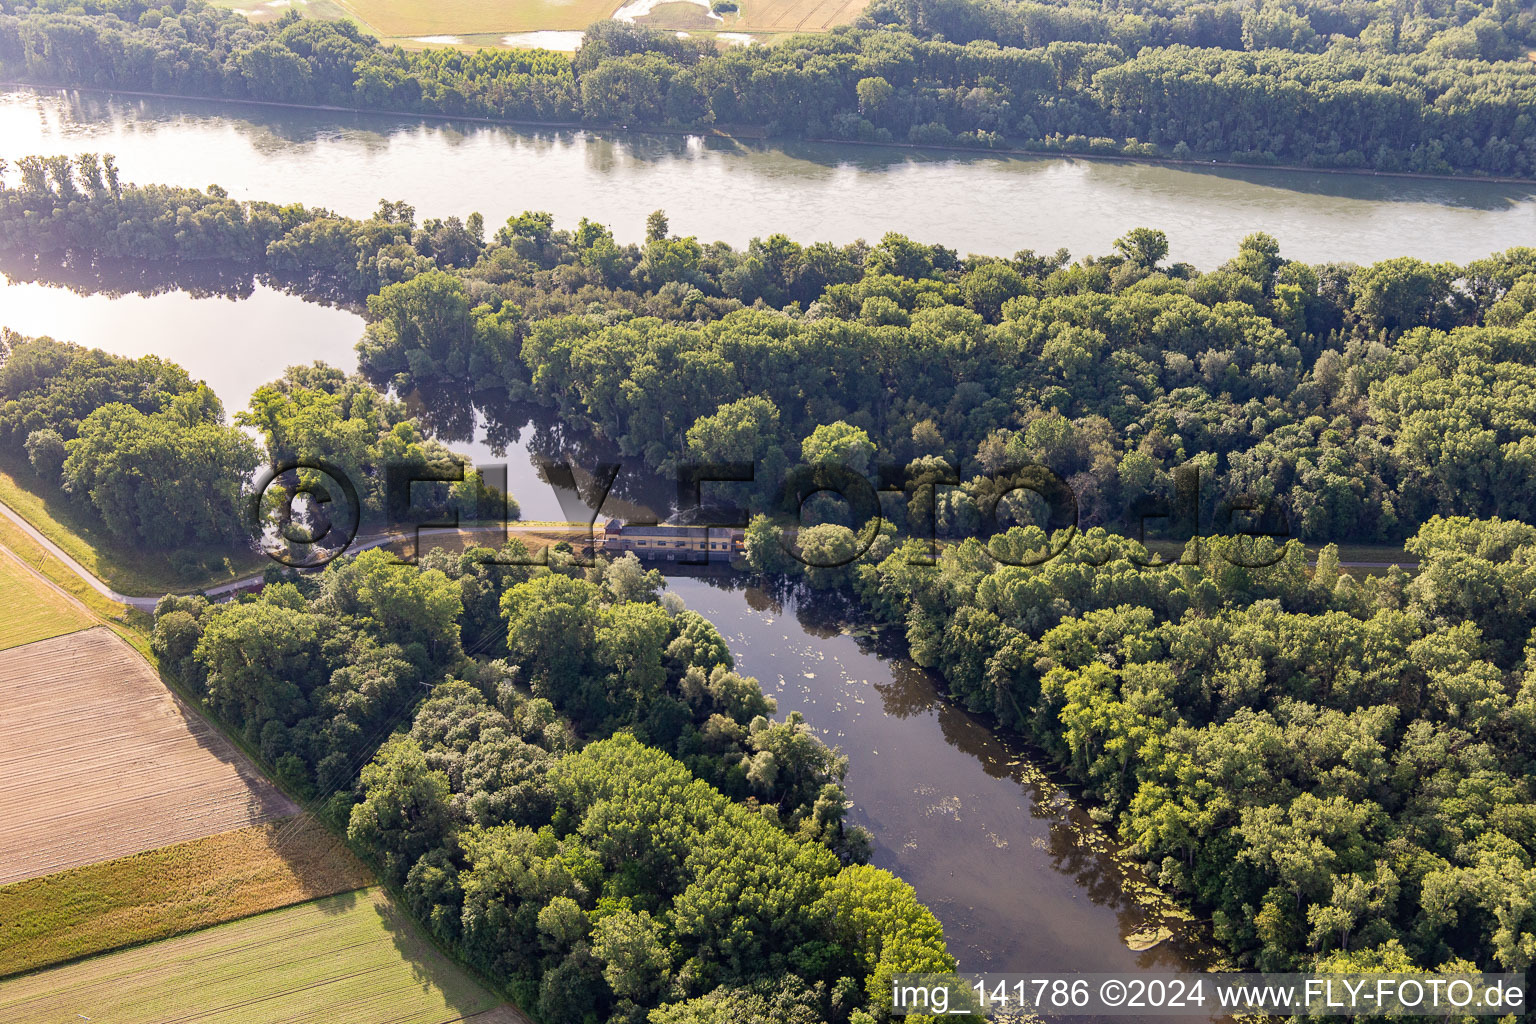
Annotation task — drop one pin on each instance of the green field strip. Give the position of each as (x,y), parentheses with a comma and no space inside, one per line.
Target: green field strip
(352,957)
(33,610)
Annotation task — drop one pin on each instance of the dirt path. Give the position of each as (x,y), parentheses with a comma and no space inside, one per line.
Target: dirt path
(74,566)
(223,589)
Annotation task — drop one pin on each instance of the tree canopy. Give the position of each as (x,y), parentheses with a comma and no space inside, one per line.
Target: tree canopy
(1446,87)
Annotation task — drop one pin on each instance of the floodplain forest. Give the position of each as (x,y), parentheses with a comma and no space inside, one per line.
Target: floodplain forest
(575,805)
(1431,87)
(1109,501)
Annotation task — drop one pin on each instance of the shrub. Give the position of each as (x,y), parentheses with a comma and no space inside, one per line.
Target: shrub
(45,450)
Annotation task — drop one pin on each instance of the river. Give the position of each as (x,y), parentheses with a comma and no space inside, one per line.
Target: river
(1014,871)
(730,191)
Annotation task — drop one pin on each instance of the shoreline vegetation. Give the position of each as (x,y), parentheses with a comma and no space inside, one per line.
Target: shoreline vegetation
(746,135)
(1451,92)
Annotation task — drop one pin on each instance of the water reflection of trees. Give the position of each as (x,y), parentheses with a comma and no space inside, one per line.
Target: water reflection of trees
(492,420)
(636,493)
(1368,187)
(203,280)
(271,131)
(116,279)
(1074,847)
(1110,884)
(907,693)
(910,690)
(448,414)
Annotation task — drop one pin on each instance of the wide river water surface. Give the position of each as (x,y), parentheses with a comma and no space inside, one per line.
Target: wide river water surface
(719,189)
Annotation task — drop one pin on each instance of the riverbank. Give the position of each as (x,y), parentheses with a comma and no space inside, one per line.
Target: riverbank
(809,191)
(753,134)
(1168,161)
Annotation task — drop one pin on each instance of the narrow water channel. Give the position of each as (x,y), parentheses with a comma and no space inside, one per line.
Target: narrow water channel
(1004,857)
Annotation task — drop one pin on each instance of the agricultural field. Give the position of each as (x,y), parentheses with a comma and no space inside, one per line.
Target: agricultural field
(176,889)
(271,10)
(43,563)
(756,20)
(460,17)
(99,760)
(35,610)
(353,958)
(126,568)
(447,23)
(556,24)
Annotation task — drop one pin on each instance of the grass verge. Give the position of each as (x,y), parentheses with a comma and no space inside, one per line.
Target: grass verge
(123,567)
(171,890)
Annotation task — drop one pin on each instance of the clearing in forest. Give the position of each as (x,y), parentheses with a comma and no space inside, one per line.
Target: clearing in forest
(99,760)
(172,890)
(754,20)
(528,24)
(467,17)
(353,958)
(34,610)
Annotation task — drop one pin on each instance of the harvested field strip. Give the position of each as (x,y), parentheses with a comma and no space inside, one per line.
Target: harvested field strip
(352,958)
(796,15)
(171,890)
(125,620)
(33,609)
(99,760)
(464,17)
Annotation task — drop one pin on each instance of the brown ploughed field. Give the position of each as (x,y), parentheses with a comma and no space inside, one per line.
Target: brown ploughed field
(98,759)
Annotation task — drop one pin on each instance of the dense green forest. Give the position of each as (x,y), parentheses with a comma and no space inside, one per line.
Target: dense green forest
(589,805)
(1428,87)
(1338,772)
(134,441)
(1221,715)
(148,452)
(1361,400)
